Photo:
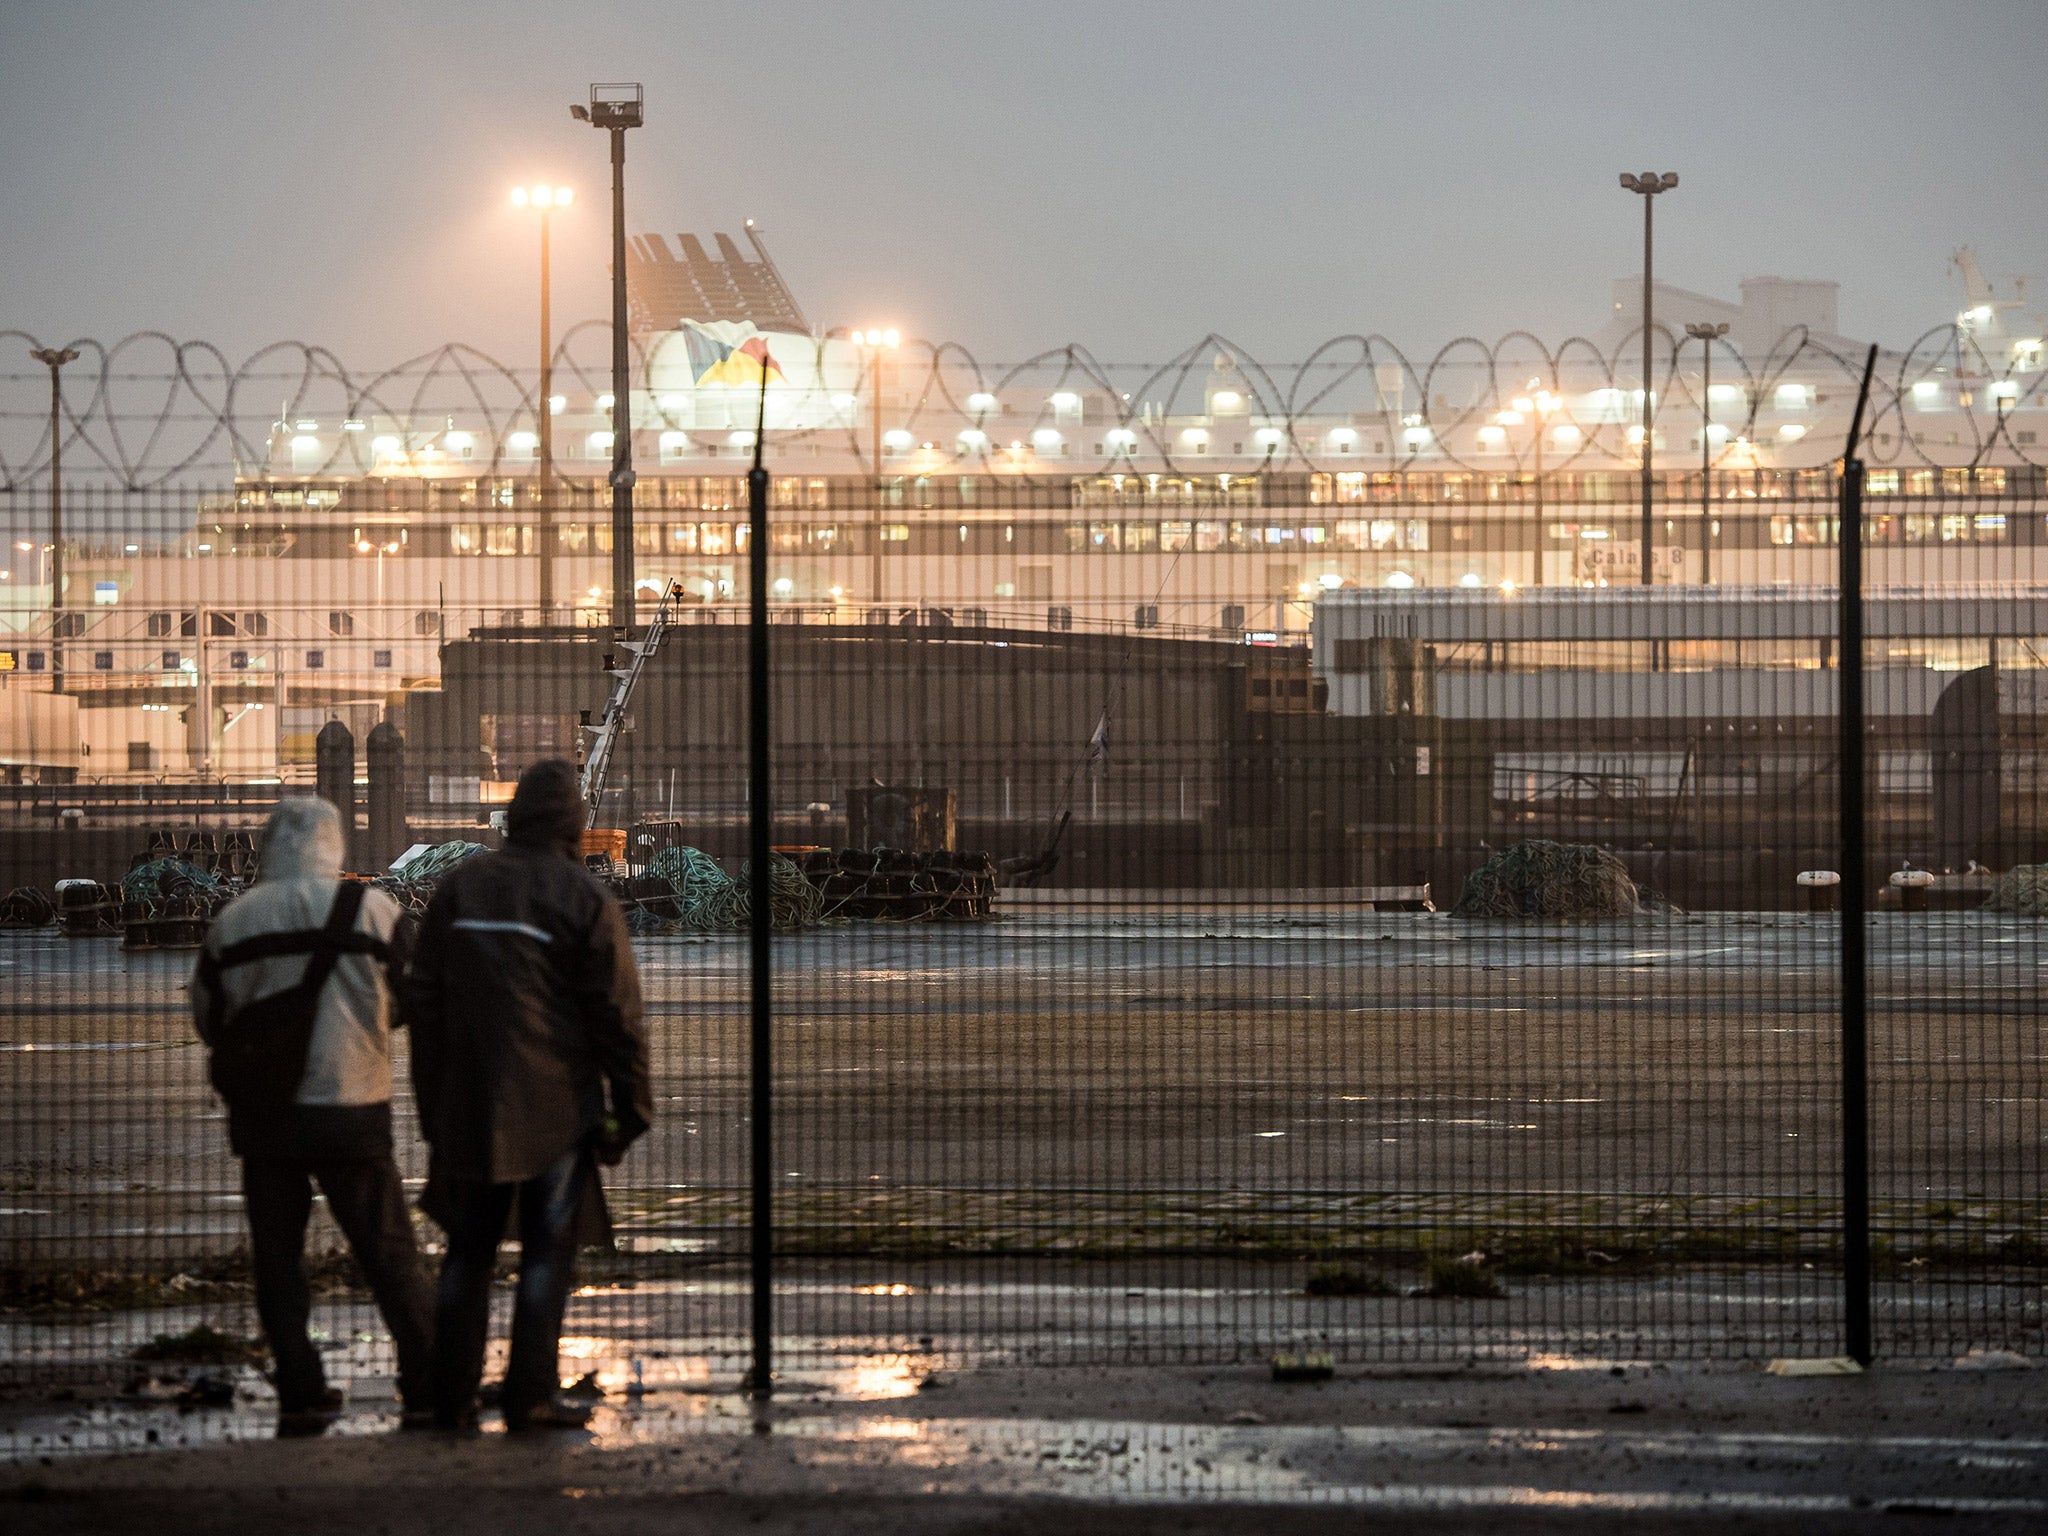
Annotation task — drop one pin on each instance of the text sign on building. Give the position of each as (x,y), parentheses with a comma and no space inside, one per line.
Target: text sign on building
(1614,559)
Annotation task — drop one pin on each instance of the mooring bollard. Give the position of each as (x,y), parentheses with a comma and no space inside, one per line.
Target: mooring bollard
(1823,889)
(1912,886)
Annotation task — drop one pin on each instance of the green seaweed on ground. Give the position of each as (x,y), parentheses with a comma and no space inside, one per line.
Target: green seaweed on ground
(1467,1278)
(1347,1280)
(202,1344)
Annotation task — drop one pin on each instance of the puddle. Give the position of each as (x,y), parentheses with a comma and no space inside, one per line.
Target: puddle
(1402,1467)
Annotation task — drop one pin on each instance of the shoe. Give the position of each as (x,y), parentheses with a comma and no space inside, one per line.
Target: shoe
(312,1418)
(549,1413)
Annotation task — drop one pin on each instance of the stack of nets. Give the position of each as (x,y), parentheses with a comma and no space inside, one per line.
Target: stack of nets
(436,861)
(413,887)
(2023,889)
(26,907)
(1554,880)
(684,891)
(170,876)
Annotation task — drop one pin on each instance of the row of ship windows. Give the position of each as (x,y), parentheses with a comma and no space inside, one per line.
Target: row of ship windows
(1732,529)
(728,493)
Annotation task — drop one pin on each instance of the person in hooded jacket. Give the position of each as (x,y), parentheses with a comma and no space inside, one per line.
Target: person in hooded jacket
(292,996)
(530,1068)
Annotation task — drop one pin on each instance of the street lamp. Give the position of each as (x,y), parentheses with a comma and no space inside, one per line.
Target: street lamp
(54,359)
(1538,403)
(545,199)
(875,342)
(615,108)
(1706,335)
(390,547)
(1647,185)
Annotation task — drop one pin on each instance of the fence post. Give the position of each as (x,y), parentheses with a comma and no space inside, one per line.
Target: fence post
(1855,891)
(761,905)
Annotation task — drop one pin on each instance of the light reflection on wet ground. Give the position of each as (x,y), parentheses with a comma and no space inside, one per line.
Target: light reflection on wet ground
(1399,1466)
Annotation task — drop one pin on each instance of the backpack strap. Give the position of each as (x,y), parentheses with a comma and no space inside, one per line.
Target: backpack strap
(332,941)
(325,944)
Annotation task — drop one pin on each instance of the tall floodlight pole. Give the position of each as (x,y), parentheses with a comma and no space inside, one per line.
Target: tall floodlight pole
(54,359)
(874,342)
(616,108)
(1537,405)
(1648,185)
(545,199)
(1706,335)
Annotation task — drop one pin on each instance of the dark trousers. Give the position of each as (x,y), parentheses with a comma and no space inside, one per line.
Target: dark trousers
(366,1197)
(477,1215)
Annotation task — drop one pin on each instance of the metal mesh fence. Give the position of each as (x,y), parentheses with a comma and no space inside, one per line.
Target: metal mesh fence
(1256,913)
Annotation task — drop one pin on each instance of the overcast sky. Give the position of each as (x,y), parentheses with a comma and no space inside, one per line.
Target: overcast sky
(1012,176)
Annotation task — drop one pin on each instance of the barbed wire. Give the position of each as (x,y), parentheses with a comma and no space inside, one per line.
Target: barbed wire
(150,409)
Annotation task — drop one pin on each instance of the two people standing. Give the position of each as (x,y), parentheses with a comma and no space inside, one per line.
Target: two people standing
(530,1069)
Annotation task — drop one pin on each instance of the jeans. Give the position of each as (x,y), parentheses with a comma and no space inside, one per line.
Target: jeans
(547,1254)
(366,1197)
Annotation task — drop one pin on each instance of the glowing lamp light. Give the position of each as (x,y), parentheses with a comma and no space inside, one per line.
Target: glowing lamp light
(1330,581)
(783,586)
(1400,581)
(981,402)
(1065,400)
(1791,432)
(1469,579)
(523,441)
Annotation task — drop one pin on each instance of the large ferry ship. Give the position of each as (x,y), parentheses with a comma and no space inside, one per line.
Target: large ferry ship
(211,632)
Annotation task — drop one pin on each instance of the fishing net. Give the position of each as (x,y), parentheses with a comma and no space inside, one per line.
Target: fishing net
(170,876)
(2023,889)
(684,891)
(26,907)
(1554,880)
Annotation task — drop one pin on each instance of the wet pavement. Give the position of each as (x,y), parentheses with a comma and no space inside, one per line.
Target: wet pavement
(882,1443)
(1070,1131)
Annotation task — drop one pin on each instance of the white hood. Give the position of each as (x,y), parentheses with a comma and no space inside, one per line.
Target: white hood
(301,841)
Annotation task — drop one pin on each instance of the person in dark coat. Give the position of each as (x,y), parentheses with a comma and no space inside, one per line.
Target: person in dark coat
(293,998)
(529,1063)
